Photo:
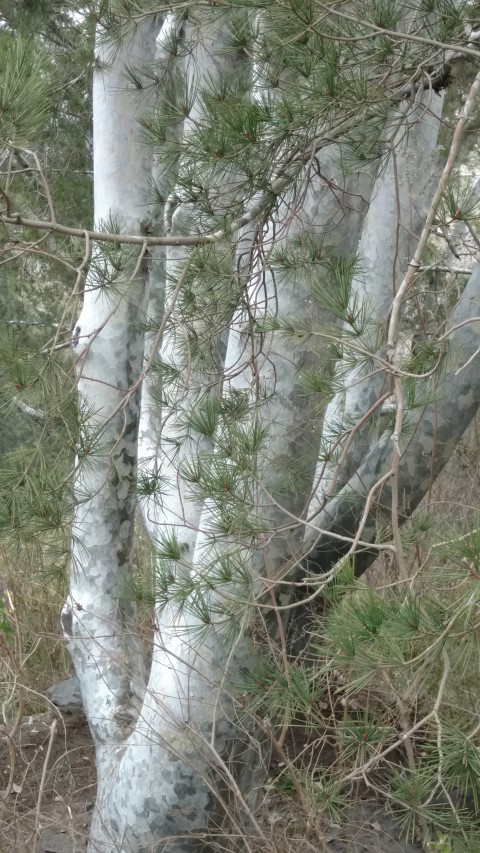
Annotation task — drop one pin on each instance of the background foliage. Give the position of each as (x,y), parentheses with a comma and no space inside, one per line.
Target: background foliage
(390,674)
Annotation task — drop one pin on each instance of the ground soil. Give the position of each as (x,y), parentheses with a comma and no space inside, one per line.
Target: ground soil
(58,822)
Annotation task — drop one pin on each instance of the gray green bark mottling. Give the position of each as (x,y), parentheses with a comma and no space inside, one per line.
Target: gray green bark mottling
(430,436)
(109,351)
(173,757)
(170,778)
(395,217)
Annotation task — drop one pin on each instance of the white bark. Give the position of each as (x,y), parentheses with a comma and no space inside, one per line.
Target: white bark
(390,231)
(188,717)
(170,758)
(151,410)
(179,513)
(97,615)
(427,444)
(182,737)
(269,369)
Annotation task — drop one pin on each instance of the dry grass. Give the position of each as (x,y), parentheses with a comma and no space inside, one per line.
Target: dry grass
(33,592)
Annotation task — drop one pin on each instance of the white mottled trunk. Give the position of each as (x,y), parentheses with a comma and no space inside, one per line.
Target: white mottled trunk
(396,214)
(426,445)
(171,759)
(333,209)
(172,780)
(97,617)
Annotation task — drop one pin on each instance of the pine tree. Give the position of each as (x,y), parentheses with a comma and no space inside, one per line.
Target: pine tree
(268,181)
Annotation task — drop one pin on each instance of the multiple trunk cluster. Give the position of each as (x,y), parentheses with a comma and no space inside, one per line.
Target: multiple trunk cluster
(174,754)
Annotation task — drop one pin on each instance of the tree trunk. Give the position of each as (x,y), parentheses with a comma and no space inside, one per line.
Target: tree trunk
(178,764)
(397,210)
(430,437)
(97,617)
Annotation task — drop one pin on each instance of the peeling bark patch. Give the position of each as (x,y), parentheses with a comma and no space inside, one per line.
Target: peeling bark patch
(182,790)
(150,806)
(182,813)
(67,622)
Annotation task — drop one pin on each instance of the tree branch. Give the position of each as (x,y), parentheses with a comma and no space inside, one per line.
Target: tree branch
(433,432)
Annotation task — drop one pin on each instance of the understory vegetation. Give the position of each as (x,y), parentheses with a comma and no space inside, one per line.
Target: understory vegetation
(239,392)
